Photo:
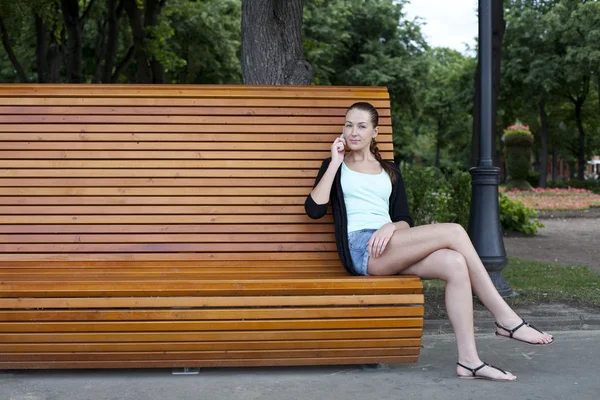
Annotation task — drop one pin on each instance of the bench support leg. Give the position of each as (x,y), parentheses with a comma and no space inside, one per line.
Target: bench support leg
(185,371)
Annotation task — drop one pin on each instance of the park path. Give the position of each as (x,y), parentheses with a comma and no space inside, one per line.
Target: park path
(563,241)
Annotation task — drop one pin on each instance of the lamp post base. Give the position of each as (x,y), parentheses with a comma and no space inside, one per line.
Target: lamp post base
(484,225)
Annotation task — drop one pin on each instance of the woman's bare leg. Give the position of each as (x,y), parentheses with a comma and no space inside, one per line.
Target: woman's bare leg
(451,266)
(409,246)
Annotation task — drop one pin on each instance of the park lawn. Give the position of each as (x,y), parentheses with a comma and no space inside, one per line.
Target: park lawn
(536,282)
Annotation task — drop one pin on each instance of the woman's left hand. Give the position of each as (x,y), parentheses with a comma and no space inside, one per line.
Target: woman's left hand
(380,239)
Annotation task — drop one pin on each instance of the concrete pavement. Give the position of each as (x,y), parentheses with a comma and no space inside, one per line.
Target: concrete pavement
(568,369)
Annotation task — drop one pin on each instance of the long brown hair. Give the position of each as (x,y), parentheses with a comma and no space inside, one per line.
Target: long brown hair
(374,115)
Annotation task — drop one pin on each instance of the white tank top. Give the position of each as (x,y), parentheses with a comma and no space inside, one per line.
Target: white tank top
(367,199)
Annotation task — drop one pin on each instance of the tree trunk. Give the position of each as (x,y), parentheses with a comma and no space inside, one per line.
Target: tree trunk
(100,50)
(73,25)
(272,52)
(143,74)
(544,139)
(153,8)
(581,142)
(498,28)
(554,165)
(11,55)
(41,48)
(112,43)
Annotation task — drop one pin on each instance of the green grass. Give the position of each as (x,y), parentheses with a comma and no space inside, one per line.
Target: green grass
(536,282)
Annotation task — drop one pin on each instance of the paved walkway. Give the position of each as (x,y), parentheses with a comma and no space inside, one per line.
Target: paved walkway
(567,369)
(564,241)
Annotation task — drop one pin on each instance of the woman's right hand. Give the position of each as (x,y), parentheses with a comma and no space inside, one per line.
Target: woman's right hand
(338,151)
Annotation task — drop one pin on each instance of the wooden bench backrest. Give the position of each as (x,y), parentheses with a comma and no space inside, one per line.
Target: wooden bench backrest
(210,174)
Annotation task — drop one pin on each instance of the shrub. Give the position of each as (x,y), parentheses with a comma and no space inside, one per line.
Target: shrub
(437,197)
(514,216)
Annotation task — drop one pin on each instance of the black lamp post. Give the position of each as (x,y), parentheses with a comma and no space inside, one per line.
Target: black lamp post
(484,223)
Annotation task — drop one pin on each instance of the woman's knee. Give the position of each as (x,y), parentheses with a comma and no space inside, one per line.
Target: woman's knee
(455,266)
(455,232)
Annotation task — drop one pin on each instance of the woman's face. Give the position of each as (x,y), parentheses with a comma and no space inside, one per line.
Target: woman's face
(358,130)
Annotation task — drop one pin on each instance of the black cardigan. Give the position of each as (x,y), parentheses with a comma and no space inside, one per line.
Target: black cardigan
(398,210)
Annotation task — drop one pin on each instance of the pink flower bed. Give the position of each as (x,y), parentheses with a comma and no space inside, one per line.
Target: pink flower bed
(556,199)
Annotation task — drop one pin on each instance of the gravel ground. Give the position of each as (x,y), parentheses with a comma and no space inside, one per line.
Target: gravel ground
(566,239)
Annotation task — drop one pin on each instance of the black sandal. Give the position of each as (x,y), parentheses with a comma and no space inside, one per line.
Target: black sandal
(475,376)
(522,324)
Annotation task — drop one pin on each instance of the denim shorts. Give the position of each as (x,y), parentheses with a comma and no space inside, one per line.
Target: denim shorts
(359,252)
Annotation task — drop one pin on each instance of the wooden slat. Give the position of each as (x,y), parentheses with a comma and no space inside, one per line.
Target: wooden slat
(175,238)
(107,101)
(149,257)
(200,346)
(209,355)
(199,336)
(212,287)
(178,119)
(166,326)
(174,110)
(162,219)
(239,314)
(188,228)
(320,138)
(122,200)
(163,247)
(163,155)
(165,146)
(207,363)
(154,191)
(135,131)
(182,91)
(153,209)
(413,296)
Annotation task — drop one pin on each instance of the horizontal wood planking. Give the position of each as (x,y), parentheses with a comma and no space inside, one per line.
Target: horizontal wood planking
(211,314)
(170,326)
(201,336)
(180,256)
(207,363)
(174,168)
(199,355)
(165,146)
(413,296)
(383,105)
(200,346)
(162,229)
(205,287)
(168,108)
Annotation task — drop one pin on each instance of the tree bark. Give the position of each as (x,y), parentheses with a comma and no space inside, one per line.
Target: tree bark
(115,8)
(554,165)
(41,48)
(153,8)
(142,74)
(272,52)
(581,140)
(11,54)
(73,26)
(544,139)
(498,28)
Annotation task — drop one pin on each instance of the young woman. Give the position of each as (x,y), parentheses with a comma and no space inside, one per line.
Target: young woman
(375,235)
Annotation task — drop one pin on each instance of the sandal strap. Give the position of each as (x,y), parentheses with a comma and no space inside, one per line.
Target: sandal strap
(511,331)
(474,370)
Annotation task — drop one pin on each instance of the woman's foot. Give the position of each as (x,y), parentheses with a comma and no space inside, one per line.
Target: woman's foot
(483,371)
(524,332)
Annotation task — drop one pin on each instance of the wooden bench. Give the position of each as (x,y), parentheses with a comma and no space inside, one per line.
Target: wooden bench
(164,226)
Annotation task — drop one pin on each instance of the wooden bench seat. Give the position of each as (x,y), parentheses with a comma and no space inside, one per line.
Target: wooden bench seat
(164,226)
